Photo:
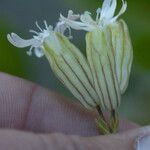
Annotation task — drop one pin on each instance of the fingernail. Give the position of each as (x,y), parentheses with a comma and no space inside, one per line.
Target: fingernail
(143,143)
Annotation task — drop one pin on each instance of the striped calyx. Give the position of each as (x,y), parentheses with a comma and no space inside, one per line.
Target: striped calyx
(71,68)
(101,59)
(123,52)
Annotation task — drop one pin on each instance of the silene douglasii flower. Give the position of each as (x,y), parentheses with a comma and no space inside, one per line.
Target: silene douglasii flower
(98,79)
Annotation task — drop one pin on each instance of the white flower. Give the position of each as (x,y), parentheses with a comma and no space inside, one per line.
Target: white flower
(61,26)
(105,16)
(36,42)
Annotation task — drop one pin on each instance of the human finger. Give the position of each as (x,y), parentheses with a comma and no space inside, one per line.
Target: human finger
(137,139)
(27,106)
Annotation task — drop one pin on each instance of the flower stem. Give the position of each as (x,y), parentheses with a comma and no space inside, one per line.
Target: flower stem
(110,126)
(101,122)
(100,112)
(114,121)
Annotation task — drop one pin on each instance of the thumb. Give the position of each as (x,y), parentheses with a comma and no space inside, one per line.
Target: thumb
(137,139)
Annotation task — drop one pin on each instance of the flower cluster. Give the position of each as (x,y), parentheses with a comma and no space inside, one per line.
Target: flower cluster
(99,79)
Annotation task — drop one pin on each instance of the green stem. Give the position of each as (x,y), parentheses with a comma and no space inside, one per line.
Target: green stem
(100,113)
(114,121)
(107,127)
(101,122)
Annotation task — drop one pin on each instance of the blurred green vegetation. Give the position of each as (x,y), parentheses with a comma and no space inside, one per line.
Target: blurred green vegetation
(10,60)
(136,101)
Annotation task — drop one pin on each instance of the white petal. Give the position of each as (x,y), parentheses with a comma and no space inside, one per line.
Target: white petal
(111,11)
(36,23)
(98,11)
(105,8)
(35,32)
(72,16)
(38,52)
(60,27)
(86,18)
(29,52)
(15,40)
(46,25)
(76,24)
(123,9)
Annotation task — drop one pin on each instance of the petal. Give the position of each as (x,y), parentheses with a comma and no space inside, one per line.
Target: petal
(123,9)
(38,52)
(60,27)
(111,11)
(98,11)
(15,40)
(76,24)
(105,8)
(86,18)
(72,16)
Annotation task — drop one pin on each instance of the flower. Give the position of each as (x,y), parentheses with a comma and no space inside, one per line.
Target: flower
(99,79)
(122,47)
(107,33)
(36,42)
(72,69)
(103,76)
(105,16)
(61,26)
(66,61)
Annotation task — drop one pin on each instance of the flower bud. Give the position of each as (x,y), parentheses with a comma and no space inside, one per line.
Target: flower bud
(123,52)
(71,67)
(101,59)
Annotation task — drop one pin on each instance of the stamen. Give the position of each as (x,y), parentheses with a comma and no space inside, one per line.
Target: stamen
(36,23)
(32,31)
(46,26)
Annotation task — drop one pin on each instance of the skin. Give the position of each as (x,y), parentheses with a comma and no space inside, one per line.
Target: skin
(32,117)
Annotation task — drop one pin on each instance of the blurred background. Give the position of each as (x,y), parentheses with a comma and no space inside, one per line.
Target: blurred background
(20,15)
